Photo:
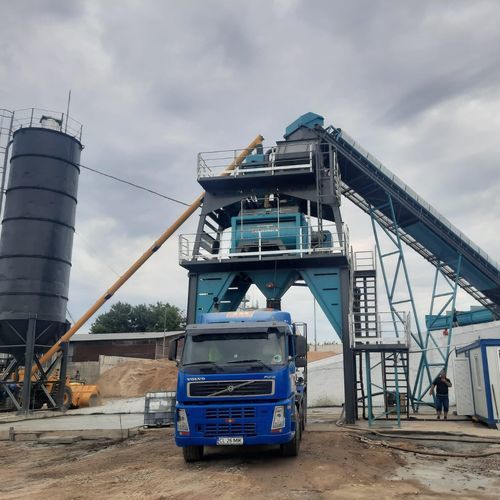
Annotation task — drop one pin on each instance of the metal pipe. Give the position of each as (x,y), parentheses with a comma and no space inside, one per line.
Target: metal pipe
(145,256)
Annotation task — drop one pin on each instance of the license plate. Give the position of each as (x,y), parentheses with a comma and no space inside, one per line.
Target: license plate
(230,440)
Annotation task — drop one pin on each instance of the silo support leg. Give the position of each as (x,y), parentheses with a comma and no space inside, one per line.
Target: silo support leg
(62,375)
(28,365)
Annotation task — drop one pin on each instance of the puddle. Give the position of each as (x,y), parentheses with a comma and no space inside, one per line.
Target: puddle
(450,475)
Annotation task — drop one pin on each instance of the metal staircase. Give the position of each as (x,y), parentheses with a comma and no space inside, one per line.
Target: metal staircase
(396,383)
(364,314)
(380,346)
(209,233)
(364,306)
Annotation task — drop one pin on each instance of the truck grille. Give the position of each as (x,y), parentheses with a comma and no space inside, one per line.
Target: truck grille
(215,430)
(236,412)
(231,388)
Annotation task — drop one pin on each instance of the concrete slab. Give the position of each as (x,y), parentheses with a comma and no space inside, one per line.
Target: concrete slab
(463,428)
(59,439)
(114,419)
(325,419)
(111,406)
(77,422)
(13,416)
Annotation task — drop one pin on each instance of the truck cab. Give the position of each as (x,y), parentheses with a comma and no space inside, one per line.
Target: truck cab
(242,380)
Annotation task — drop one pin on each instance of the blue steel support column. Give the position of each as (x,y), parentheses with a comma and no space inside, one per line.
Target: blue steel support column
(331,287)
(368,387)
(350,392)
(192,293)
(62,374)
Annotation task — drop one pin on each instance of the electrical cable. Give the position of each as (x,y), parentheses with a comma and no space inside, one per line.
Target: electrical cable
(133,184)
(454,438)
(431,453)
(420,434)
(70,315)
(352,431)
(94,254)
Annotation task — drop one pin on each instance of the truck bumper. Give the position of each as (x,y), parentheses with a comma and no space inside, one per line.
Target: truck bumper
(252,422)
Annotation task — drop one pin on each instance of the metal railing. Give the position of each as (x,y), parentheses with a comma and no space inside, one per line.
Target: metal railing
(45,118)
(391,329)
(213,163)
(364,260)
(266,243)
(6,118)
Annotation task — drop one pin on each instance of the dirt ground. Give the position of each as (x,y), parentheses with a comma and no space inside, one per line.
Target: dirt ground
(330,465)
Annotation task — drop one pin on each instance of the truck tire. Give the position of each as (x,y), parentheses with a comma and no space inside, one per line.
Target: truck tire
(304,412)
(192,453)
(291,449)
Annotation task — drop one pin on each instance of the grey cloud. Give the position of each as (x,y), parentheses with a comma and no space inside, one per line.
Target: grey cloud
(463,82)
(154,85)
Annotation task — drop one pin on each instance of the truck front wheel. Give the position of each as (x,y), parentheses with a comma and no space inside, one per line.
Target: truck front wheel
(291,449)
(192,453)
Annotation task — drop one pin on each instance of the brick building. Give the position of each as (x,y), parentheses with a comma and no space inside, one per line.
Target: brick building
(148,345)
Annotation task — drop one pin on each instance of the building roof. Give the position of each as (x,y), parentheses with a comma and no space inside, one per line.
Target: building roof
(93,337)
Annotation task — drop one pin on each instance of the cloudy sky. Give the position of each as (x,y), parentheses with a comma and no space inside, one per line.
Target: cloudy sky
(155,82)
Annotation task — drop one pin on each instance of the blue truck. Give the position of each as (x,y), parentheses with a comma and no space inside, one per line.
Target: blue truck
(242,380)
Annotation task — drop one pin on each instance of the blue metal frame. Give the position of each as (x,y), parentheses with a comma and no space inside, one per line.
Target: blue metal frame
(390,287)
(487,385)
(390,283)
(324,284)
(214,290)
(430,341)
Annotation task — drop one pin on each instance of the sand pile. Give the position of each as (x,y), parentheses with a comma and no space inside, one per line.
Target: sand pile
(135,378)
(317,355)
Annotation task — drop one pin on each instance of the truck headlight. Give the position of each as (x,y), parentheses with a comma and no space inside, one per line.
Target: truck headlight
(182,421)
(278,418)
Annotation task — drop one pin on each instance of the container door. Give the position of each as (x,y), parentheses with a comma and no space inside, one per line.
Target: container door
(463,386)
(493,356)
(478,383)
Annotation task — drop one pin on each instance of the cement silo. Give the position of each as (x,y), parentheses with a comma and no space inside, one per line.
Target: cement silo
(37,235)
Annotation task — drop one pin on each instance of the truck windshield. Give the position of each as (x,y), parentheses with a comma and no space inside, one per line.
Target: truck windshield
(260,349)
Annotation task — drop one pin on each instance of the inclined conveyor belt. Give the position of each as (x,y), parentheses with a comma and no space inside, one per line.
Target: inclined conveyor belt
(367,183)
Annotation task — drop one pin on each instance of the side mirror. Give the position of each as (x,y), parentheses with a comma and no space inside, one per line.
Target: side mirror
(172,350)
(300,362)
(300,346)
(173,347)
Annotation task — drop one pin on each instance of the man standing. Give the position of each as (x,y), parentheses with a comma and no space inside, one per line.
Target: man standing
(441,384)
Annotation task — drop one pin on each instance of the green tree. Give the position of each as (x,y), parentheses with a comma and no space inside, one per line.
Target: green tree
(123,317)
